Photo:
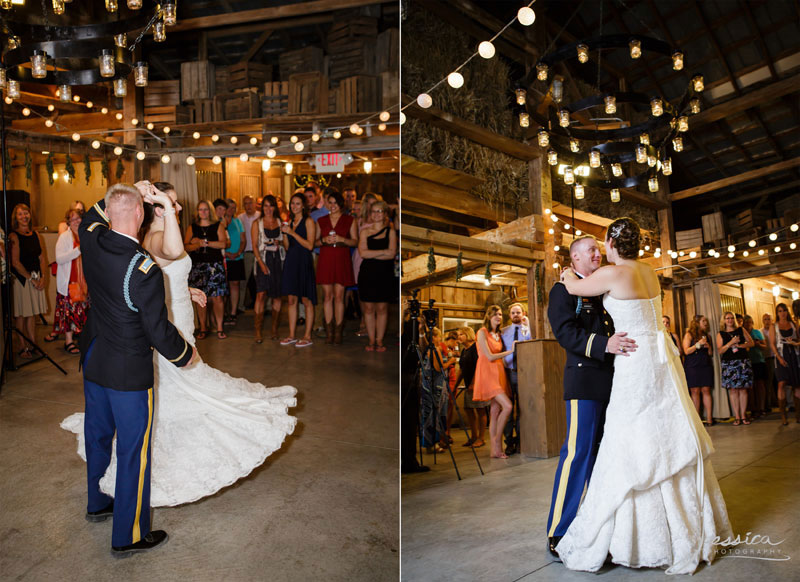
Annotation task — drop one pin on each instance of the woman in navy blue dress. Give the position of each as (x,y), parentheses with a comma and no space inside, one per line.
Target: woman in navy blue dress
(698,365)
(298,279)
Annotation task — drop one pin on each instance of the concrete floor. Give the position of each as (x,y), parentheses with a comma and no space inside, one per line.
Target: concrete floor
(492,528)
(323,507)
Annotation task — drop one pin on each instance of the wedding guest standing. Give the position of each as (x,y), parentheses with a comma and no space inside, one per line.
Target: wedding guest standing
(247,218)
(377,246)
(491,383)
(297,281)
(698,365)
(71,291)
(737,373)
(204,241)
(756,354)
(519,330)
(668,324)
(337,233)
(63,226)
(769,360)
(268,239)
(476,415)
(784,340)
(28,272)
(363,221)
(234,256)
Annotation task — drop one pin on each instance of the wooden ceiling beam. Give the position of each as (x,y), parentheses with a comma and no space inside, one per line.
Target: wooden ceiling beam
(760,193)
(739,178)
(256,46)
(274,25)
(443,216)
(452,199)
(416,238)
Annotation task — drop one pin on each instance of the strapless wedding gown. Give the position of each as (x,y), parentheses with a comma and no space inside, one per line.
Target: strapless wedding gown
(653,499)
(209,428)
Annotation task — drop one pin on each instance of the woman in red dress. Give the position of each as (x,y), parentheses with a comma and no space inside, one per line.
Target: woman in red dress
(336,234)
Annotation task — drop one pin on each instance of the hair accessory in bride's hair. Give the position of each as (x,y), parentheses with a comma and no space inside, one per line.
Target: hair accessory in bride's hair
(615,232)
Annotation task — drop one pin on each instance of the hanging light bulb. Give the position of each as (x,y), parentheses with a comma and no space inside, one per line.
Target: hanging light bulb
(288,167)
(112,5)
(615,195)
(190,160)
(165,159)
(48,122)
(13,42)
(761,251)
(522,96)
(381,127)
(583,53)
(265,165)
(641,154)
(558,90)
(793,246)
(636,48)
(120,87)
(644,139)
(656,106)
(611,104)
(773,236)
(526,16)
(751,244)
(367,167)
(121,40)
(776,291)
(745,253)
(402,118)
(294,139)
(140,156)
(244,157)
(616,169)
(486,49)
(140,73)
(677,143)
(216,160)
(651,160)
(26,111)
(541,72)
(106,63)
(563,118)
(118,151)
(652,184)
(253,141)
(683,124)
(666,166)
(677,60)
(167,129)
(336,135)
(574,146)
(169,12)
(58,7)
(315,136)
(794,227)
(196,135)
(96,144)
(544,138)
(455,80)
(594,159)
(552,157)
(569,176)
(159,31)
(271,153)
(64,93)
(215,138)
(134,4)
(76,136)
(299,147)
(524,119)
(103,110)
(353,129)
(578,191)
(89,105)
(38,64)
(424,100)
(697,83)
(384,116)
(150,125)
(234,139)
(76,98)
(12,89)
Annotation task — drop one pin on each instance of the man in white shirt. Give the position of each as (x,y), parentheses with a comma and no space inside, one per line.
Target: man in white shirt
(519,330)
(248,217)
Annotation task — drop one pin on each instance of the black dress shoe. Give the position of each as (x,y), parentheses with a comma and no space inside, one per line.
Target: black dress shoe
(100,514)
(148,542)
(551,546)
(511,449)
(417,469)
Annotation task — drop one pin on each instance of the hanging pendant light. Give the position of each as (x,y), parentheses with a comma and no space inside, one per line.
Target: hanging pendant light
(169,12)
(641,154)
(677,60)
(652,184)
(112,5)
(569,175)
(579,191)
(583,53)
(120,87)
(121,40)
(544,138)
(683,123)
(58,7)
(541,72)
(12,89)
(697,83)
(644,139)
(558,90)
(39,64)
(134,4)
(656,106)
(106,63)
(552,157)
(666,166)
(563,118)
(524,119)
(574,146)
(677,143)
(65,93)
(594,159)
(651,160)
(611,104)
(159,31)
(522,95)
(636,48)
(615,195)
(140,69)
(616,169)
(694,105)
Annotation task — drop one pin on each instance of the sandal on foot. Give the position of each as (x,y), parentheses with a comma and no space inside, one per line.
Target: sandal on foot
(222,335)
(303,343)
(72,348)
(477,445)
(737,422)
(27,354)
(202,335)
(287,341)
(746,421)
(370,348)
(380,348)
(468,443)
(501,456)
(51,337)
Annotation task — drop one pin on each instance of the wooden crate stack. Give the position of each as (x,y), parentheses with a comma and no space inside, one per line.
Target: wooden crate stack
(352,44)
(198,79)
(167,115)
(390,89)
(358,94)
(387,50)
(248,75)
(304,60)
(713,227)
(308,93)
(162,94)
(221,80)
(689,239)
(276,99)
(201,111)
(243,104)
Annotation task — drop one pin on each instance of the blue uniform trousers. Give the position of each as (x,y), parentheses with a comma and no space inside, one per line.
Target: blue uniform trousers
(585,419)
(130,414)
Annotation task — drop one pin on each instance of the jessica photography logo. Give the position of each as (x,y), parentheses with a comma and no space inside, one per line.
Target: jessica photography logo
(752,546)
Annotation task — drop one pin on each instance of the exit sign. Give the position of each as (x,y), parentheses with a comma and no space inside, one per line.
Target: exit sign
(329,163)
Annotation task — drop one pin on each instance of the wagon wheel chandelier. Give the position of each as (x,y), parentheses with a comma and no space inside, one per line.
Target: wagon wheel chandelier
(66,47)
(608,158)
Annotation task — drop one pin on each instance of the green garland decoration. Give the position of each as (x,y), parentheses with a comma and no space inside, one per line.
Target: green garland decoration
(28,166)
(459,266)
(70,168)
(104,168)
(120,169)
(48,163)
(488,273)
(536,277)
(7,166)
(301,181)
(87,167)
(431,264)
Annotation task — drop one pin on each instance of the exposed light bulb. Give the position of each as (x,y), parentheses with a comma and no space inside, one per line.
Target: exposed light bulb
(216,160)
(384,116)
(274,140)
(381,127)
(134,122)
(215,138)
(402,118)
(117,151)
(140,156)
(337,134)
(486,49)
(166,129)
(299,147)
(424,100)
(190,160)
(253,141)
(234,139)
(244,157)
(773,236)
(526,16)
(265,165)
(367,167)
(76,136)
(288,167)
(196,135)
(150,126)
(96,144)
(165,159)
(48,122)
(52,107)
(119,116)
(293,139)
(455,80)
(26,112)
(271,153)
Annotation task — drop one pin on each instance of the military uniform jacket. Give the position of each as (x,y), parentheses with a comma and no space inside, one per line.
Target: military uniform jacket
(582,327)
(128,313)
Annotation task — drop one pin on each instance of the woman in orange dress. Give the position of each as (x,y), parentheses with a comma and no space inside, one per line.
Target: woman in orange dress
(491,383)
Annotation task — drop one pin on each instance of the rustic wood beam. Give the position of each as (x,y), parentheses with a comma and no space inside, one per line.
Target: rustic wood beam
(453,199)
(272,13)
(743,177)
(257,46)
(444,216)
(761,194)
(420,239)
(471,131)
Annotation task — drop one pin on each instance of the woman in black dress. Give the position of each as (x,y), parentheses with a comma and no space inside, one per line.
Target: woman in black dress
(377,245)
(737,373)
(698,365)
(784,341)
(268,243)
(205,241)
(298,279)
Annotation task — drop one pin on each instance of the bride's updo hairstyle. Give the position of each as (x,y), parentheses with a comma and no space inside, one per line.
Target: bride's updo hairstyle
(625,234)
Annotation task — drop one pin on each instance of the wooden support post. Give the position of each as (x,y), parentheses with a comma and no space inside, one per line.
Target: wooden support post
(667,240)
(132,107)
(540,190)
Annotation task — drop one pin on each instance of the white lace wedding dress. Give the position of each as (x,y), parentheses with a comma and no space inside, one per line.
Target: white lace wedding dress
(209,429)
(653,499)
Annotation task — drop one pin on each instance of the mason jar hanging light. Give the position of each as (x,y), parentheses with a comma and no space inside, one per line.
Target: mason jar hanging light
(652,184)
(106,63)
(697,83)
(544,138)
(12,89)
(694,105)
(169,12)
(522,95)
(569,175)
(159,31)
(683,124)
(563,118)
(666,166)
(611,104)
(112,5)
(552,157)
(574,146)
(65,93)
(677,60)
(39,64)
(541,72)
(140,69)
(616,169)
(615,195)
(583,53)
(594,159)
(578,191)
(656,106)
(524,119)
(120,87)
(677,143)
(641,154)
(644,139)
(636,48)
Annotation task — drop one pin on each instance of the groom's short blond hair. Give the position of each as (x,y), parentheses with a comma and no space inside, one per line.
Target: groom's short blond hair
(122,197)
(578,240)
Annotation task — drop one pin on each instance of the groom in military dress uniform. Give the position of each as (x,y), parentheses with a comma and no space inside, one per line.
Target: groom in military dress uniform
(128,317)
(586,332)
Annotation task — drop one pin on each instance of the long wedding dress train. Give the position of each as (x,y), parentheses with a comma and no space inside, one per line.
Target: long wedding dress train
(653,499)
(210,429)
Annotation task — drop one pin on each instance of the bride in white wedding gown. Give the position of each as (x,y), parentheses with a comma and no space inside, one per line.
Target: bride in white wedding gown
(209,429)
(653,499)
